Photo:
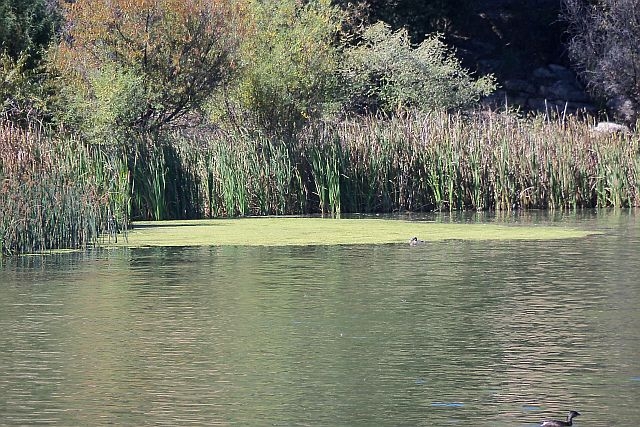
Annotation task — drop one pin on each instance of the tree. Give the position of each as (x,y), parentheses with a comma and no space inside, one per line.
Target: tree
(166,56)
(386,72)
(27,25)
(23,91)
(26,29)
(288,65)
(604,46)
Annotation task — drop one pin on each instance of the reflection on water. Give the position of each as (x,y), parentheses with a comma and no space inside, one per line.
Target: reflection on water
(455,332)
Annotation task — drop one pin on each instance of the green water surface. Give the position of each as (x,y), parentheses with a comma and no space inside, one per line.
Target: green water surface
(476,333)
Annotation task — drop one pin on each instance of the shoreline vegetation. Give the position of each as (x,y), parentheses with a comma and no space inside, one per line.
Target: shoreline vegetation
(59,192)
(118,111)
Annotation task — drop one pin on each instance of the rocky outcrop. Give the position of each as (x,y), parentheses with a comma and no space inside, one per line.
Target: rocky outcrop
(551,88)
(624,109)
(521,43)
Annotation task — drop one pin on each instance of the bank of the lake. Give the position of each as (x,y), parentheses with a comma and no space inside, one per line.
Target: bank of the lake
(58,191)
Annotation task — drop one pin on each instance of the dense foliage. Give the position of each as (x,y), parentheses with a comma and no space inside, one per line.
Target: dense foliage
(27,26)
(387,73)
(287,67)
(23,92)
(164,57)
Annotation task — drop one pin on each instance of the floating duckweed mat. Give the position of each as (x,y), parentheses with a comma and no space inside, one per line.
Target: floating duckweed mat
(287,231)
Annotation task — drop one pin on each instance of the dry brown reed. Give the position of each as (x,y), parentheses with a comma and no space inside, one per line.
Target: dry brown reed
(57,193)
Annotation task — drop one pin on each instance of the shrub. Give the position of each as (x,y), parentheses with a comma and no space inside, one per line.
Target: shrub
(27,25)
(117,95)
(26,29)
(23,96)
(386,72)
(288,66)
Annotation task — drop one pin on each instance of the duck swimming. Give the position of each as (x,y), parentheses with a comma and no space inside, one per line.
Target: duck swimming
(558,423)
(415,241)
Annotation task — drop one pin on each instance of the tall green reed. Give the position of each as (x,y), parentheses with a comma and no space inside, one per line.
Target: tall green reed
(417,162)
(482,161)
(60,192)
(252,174)
(56,192)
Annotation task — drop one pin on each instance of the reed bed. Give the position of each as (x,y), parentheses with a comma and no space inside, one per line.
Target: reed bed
(253,175)
(57,193)
(208,174)
(418,162)
(479,162)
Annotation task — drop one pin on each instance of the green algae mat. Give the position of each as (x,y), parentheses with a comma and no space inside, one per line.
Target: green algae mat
(290,231)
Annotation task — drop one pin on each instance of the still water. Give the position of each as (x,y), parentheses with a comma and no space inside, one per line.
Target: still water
(450,333)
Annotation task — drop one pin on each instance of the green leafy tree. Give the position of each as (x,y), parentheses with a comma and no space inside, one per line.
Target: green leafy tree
(26,29)
(27,25)
(287,65)
(117,95)
(386,72)
(173,53)
(23,93)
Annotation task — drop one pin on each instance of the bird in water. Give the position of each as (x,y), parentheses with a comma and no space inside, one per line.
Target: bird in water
(415,241)
(558,423)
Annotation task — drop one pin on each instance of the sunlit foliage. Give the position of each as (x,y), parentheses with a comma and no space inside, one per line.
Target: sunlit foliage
(173,53)
(289,63)
(386,73)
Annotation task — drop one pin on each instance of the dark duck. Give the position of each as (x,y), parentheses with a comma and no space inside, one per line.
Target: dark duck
(558,423)
(415,241)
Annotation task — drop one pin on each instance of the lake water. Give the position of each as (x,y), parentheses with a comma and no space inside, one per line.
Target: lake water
(450,333)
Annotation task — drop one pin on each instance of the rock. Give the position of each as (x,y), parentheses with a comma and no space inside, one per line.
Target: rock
(548,106)
(610,127)
(561,73)
(542,73)
(517,85)
(551,89)
(497,100)
(481,48)
(582,107)
(489,65)
(563,90)
(537,104)
(623,108)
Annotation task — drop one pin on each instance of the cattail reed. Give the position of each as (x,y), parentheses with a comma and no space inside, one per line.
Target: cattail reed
(57,193)
(412,162)
(451,162)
